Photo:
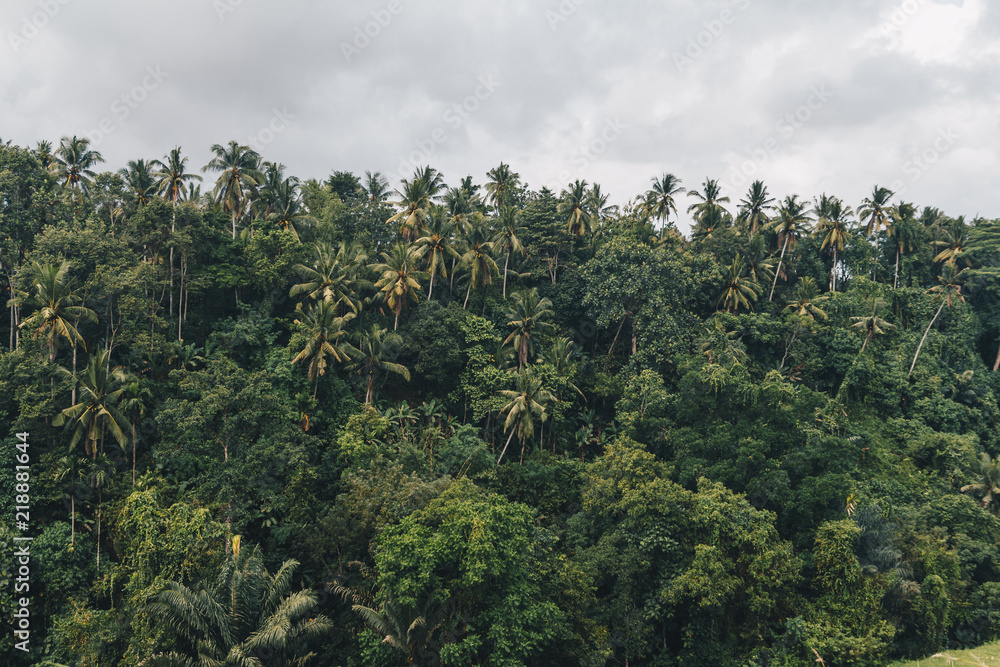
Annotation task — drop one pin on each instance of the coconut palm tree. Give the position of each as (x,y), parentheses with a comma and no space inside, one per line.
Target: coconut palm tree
(528,315)
(988,485)
(250,617)
(833,224)
(906,234)
(376,187)
(171,182)
(507,238)
(955,244)
(69,471)
(754,207)
(140,180)
(288,211)
(134,400)
(478,259)
(98,473)
(407,628)
(573,205)
(948,292)
(55,304)
(437,245)
(597,206)
(332,275)
(72,163)
(527,403)
(661,201)
(790,225)
(416,198)
(398,277)
(501,183)
(43,151)
(240,173)
(807,301)
(369,357)
(740,289)
(872,324)
(875,209)
(708,200)
(98,412)
(323,329)
(760,263)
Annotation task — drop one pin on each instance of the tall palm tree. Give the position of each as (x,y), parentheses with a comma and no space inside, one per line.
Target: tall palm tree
(376,187)
(133,404)
(509,229)
(416,198)
(98,412)
(754,207)
(833,224)
(478,259)
(875,209)
(43,151)
(288,211)
(500,184)
(406,628)
(790,225)
(527,403)
(989,482)
(333,274)
(399,274)
(247,614)
(528,315)
(369,357)
(597,205)
(955,246)
(573,205)
(171,182)
(240,173)
(323,329)
(140,180)
(872,324)
(437,245)
(661,201)
(740,289)
(807,301)
(708,200)
(72,163)
(760,263)
(948,292)
(55,304)
(98,474)
(69,471)
(906,234)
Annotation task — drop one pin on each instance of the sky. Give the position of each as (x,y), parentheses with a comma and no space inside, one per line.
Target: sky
(811,97)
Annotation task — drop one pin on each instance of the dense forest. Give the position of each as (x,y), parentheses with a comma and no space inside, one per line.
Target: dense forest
(274,422)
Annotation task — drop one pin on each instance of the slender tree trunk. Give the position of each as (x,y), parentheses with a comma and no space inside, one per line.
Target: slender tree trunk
(784,246)
(509,438)
(996,364)
(611,349)
(506,262)
(895,274)
(634,337)
(100,504)
(133,453)
(833,271)
(467,293)
(72,517)
(926,331)
(173,226)
(430,292)
(72,400)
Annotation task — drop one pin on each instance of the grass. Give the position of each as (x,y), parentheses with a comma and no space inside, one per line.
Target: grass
(988,655)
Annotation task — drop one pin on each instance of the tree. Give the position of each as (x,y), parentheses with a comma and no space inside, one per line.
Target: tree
(376,187)
(988,483)
(249,617)
(832,223)
(871,324)
(72,163)
(527,403)
(70,473)
(875,209)
(754,207)
(740,289)
(955,244)
(370,357)
(807,301)
(54,302)
(323,330)
(437,245)
(500,184)
(906,234)
(288,212)
(240,173)
(406,628)
(398,278)
(947,292)
(478,259)
(790,225)
(528,314)
(416,198)
(573,205)
(133,405)
(101,389)
(709,201)
(140,180)
(332,276)
(660,200)
(509,229)
(172,179)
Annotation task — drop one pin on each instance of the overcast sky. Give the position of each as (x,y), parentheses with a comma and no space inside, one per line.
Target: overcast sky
(811,97)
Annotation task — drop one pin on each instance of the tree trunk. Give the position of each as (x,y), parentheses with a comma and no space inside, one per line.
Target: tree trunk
(784,246)
(611,349)
(895,274)
(506,262)
(996,364)
(72,400)
(926,331)
(430,292)
(509,438)
(133,453)
(72,517)
(173,225)
(833,271)
(634,337)
(467,293)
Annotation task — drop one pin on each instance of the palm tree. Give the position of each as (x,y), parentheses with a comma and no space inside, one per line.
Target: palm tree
(407,628)
(248,617)
(478,259)
(54,302)
(509,228)
(323,329)
(906,233)
(875,209)
(98,474)
(708,200)
(989,481)
(709,222)
(101,390)
(501,182)
(760,263)
(240,174)
(754,207)
(416,198)
(832,223)
(172,179)
(807,301)
(140,180)
(871,324)
(740,289)
(398,278)
(68,471)
(333,274)
(791,224)
(527,403)
(955,243)
(376,187)
(437,245)
(573,205)
(133,404)
(72,162)
(947,292)
(288,211)
(369,357)
(660,200)
(528,314)
(597,205)
(43,151)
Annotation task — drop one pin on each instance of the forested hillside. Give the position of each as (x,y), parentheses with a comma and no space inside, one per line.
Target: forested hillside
(460,421)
